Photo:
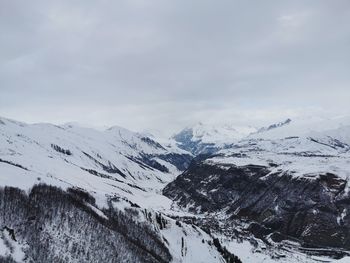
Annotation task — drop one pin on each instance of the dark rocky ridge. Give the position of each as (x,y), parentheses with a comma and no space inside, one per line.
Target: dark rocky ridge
(308,209)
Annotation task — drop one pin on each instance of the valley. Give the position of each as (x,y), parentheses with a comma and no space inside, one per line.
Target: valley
(272,194)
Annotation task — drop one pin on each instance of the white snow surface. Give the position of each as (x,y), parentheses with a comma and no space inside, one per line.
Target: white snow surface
(300,151)
(11,248)
(307,126)
(190,244)
(30,147)
(248,253)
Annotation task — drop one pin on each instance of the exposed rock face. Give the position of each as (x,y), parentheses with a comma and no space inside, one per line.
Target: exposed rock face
(312,209)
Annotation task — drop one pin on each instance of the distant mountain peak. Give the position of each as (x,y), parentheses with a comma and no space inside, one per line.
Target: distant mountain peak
(203,138)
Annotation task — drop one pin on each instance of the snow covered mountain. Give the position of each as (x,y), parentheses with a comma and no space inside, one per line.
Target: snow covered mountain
(290,181)
(67,188)
(304,126)
(205,138)
(211,193)
(71,155)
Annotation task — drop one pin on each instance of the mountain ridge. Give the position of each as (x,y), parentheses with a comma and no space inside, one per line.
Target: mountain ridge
(179,193)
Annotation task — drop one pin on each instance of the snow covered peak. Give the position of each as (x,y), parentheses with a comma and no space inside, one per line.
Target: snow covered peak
(301,146)
(200,137)
(209,133)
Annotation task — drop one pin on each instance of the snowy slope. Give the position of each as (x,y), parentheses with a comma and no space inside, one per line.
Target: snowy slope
(302,126)
(115,163)
(262,177)
(70,155)
(204,138)
(134,168)
(9,247)
(301,148)
(308,156)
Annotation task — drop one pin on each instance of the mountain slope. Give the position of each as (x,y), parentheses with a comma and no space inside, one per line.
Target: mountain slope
(290,183)
(273,194)
(91,196)
(68,225)
(90,159)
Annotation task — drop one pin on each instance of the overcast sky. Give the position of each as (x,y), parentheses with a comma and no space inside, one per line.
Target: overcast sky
(164,64)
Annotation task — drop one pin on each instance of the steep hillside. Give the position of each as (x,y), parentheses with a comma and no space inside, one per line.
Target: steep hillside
(73,194)
(72,229)
(51,225)
(288,188)
(275,194)
(98,161)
